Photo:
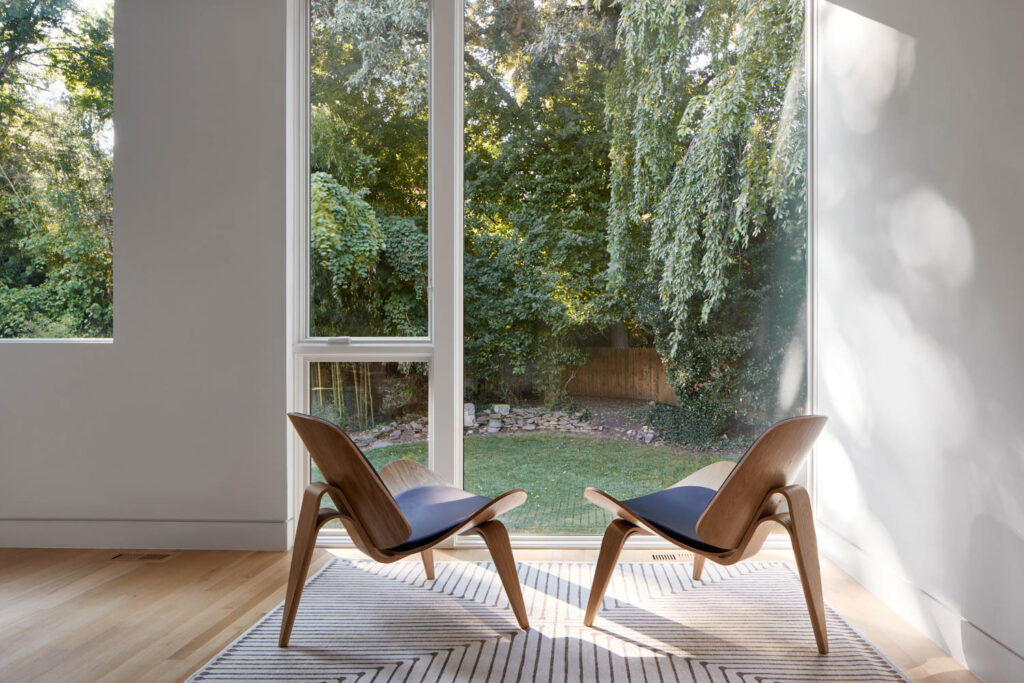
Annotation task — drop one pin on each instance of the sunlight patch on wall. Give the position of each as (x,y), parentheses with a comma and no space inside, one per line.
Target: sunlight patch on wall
(932,239)
(867,61)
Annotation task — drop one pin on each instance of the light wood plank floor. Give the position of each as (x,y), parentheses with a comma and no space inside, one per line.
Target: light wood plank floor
(79,615)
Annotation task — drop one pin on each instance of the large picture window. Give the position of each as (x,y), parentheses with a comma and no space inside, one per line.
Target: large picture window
(623,187)
(635,231)
(56,168)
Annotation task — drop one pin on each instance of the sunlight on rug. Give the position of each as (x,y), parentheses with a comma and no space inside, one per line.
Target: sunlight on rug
(363,621)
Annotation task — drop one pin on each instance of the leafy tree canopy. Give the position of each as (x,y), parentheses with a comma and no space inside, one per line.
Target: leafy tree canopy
(56,104)
(710,186)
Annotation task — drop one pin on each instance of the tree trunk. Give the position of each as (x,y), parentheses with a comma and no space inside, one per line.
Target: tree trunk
(618,337)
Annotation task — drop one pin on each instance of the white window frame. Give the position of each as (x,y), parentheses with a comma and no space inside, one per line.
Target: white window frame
(442,349)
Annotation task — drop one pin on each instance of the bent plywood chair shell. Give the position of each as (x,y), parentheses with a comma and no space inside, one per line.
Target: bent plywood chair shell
(368,504)
(344,467)
(770,463)
(745,498)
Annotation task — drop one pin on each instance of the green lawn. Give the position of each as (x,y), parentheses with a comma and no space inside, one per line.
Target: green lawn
(554,469)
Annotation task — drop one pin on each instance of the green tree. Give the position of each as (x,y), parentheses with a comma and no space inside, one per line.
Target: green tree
(369,134)
(345,240)
(711,187)
(56,100)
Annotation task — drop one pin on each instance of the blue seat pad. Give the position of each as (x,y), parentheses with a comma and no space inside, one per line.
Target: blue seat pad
(675,512)
(433,511)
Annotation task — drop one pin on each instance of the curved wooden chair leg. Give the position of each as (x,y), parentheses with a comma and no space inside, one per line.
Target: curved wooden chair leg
(805,547)
(496,537)
(302,552)
(698,566)
(428,563)
(611,546)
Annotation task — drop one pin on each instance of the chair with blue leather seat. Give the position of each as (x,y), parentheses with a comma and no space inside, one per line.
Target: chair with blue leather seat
(724,512)
(403,510)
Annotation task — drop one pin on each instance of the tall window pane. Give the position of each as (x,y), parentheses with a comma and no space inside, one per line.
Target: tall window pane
(56,168)
(635,212)
(368,165)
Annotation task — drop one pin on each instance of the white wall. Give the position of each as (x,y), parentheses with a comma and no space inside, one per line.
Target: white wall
(921,314)
(173,435)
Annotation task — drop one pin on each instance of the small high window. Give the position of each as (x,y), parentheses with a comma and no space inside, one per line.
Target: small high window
(56,168)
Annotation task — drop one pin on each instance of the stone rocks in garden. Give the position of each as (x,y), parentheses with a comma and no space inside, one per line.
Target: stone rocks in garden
(494,425)
(506,419)
(644,434)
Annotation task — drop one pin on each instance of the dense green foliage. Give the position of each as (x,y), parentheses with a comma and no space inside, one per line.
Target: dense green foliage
(554,468)
(710,185)
(536,187)
(629,162)
(56,104)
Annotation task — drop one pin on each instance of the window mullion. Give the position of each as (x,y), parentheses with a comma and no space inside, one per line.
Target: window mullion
(445,218)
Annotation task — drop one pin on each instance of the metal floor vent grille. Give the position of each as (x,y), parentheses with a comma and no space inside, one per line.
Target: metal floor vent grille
(141,557)
(664,557)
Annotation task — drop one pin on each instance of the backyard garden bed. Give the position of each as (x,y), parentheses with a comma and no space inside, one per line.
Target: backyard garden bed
(602,417)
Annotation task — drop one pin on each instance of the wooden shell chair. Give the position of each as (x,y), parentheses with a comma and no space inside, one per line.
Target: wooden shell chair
(723,513)
(405,509)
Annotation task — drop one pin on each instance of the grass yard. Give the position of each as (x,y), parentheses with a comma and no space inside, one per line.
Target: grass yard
(554,469)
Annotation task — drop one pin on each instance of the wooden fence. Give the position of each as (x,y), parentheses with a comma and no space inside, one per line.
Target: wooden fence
(621,373)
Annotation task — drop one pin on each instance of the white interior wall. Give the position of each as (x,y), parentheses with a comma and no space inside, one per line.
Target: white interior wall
(920,163)
(173,435)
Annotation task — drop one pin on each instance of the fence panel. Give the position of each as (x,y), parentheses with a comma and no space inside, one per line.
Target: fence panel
(622,373)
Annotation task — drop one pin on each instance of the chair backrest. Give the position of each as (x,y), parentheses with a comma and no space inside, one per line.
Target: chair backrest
(770,463)
(345,467)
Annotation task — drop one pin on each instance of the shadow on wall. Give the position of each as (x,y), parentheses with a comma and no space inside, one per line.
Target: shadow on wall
(920,322)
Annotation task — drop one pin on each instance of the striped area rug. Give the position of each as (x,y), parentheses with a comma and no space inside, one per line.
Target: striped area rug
(367,622)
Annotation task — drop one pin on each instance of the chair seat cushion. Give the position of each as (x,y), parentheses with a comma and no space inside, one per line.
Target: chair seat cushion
(433,511)
(675,512)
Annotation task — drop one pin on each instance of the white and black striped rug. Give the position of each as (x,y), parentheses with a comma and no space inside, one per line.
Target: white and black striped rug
(367,622)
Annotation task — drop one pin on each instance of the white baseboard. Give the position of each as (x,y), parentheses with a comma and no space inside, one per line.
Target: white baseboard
(985,656)
(143,534)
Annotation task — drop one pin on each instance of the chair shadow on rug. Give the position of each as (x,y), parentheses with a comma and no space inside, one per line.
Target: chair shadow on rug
(402,510)
(724,512)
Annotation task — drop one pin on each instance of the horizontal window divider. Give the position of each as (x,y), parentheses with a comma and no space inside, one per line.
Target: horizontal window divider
(365,341)
(366,357)
(366,349)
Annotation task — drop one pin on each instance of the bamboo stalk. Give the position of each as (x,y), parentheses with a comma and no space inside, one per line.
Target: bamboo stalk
(319,387)
(338,391)
(355,385)
(369,392)
(341,393)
